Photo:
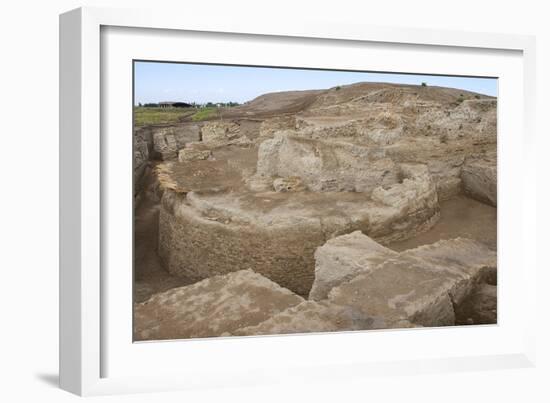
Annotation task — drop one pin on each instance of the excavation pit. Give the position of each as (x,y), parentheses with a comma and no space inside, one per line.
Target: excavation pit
(212,223)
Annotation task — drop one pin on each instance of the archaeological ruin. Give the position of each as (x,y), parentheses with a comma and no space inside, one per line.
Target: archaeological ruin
(367,206)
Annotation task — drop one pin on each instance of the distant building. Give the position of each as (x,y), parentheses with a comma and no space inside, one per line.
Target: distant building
(175,105)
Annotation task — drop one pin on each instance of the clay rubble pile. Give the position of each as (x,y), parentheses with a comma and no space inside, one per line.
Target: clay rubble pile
(280,217)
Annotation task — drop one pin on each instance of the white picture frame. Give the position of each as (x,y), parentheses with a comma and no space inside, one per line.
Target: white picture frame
(90,340)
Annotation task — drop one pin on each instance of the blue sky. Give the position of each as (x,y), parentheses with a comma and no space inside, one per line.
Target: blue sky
(157,82)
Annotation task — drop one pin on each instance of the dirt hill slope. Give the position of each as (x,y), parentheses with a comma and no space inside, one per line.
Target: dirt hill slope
(317,101)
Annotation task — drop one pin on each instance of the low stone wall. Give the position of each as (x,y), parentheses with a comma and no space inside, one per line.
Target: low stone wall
(413,204)
(193,246)
(168,140)
(222,133)
(381,129)
(158,143)
(342,258)
(423,286)
(143,146)
(479,178)
(212,307)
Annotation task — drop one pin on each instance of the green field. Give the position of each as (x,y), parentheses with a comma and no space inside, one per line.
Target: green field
(144,116)
(205,113)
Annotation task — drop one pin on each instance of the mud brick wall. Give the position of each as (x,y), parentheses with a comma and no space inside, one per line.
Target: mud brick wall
(197,248)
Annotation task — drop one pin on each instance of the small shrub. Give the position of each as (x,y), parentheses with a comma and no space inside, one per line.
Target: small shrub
(338,88)
(476,96)
(424,84)
(444,138)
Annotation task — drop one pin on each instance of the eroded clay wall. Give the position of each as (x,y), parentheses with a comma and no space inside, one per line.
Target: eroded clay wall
(197,248)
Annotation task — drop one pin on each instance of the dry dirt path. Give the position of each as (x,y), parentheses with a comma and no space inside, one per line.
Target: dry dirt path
(460,217)
(149,275)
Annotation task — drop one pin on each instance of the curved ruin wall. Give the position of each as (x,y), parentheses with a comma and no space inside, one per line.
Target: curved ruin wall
(199,242)
(197,248)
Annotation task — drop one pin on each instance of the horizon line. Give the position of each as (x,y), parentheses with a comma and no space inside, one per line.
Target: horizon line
(319,89)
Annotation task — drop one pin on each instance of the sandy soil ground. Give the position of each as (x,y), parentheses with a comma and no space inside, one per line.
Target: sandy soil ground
(149,275)
(460,217)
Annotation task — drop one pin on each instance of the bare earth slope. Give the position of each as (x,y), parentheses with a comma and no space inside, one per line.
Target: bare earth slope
(293,102)
(277,103)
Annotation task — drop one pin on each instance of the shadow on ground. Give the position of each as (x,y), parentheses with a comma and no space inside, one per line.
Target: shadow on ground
(49,379)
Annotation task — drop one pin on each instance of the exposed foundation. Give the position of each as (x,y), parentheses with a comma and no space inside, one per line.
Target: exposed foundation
(272,195)
(226,227)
